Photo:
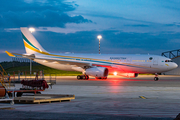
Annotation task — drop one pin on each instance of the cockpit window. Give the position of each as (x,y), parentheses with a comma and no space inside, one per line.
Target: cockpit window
(150,58)
(168,61)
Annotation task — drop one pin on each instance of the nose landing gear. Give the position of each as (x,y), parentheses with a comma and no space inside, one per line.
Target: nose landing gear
(156,77)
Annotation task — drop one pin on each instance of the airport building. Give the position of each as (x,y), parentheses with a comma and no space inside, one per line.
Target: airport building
(175,56)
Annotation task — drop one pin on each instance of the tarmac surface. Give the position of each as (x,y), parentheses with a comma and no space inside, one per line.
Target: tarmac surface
(120,98)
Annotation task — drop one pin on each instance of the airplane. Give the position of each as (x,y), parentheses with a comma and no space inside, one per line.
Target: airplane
(96,65)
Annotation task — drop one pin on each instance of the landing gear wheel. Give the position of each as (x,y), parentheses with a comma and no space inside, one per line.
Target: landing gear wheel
(78,77)
(87,77)
(82,77)
(156,78)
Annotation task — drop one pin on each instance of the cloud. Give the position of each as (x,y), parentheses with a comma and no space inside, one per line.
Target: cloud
(138,25)
(176,24)
(38,13)
(113,41)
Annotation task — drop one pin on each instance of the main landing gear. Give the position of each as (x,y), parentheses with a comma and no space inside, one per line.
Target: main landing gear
(82,77)
(156,77)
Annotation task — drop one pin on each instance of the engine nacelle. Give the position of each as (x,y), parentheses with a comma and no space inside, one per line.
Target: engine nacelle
(128,74)
(97,71)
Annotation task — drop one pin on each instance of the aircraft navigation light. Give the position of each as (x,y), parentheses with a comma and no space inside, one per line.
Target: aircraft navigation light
(115,73)
(31,29)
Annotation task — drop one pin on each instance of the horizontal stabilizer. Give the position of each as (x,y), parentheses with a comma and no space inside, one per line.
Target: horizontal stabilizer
(10,54)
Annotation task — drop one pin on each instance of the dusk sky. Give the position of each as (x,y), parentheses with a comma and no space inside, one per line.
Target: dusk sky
(127,26)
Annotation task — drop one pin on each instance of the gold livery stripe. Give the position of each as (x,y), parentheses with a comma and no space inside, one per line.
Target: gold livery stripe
(30,47)
(45,53)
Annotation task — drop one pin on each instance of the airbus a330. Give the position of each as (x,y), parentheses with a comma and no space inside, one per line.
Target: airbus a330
(96,65)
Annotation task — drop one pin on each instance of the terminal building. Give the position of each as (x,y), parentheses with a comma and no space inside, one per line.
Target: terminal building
(174,55)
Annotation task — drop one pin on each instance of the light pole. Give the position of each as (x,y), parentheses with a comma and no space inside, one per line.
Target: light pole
(99,37)
(31,30)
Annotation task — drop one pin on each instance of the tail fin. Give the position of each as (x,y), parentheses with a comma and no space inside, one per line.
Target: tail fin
(32,46)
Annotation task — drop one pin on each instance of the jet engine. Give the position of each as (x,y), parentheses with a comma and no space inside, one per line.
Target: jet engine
(97,72)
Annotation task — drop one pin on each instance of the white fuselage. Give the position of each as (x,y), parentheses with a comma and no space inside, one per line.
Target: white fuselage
(125,63)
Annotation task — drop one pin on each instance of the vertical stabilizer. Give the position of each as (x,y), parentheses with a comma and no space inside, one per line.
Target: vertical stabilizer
(32,46)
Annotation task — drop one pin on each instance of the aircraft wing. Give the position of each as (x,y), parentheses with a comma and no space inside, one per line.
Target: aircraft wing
(81,64)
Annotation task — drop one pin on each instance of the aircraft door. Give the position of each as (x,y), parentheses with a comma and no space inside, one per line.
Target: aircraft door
(155,61)
(128,59)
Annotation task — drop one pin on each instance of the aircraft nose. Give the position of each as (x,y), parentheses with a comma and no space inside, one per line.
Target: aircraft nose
(175,65)
(172,66)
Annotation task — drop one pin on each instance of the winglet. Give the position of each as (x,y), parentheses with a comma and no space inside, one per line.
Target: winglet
(10,54)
